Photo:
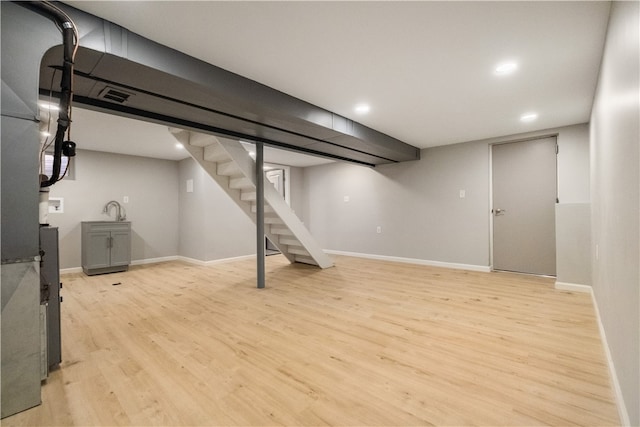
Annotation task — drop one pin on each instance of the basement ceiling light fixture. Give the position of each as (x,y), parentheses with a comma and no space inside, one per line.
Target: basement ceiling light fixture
(505,68)
(528,117)
(362,108)
(179,146)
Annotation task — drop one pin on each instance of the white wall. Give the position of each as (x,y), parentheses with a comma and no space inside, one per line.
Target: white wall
(417,203)
(152,188)
(615,189)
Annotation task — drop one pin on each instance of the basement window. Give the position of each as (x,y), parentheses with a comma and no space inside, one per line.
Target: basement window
(48,166)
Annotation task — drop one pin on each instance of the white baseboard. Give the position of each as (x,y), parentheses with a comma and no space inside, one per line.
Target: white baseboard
(154,260)
(70,270)
(215,261)
(169,258)
(622,408)
(471,267)
(574,287)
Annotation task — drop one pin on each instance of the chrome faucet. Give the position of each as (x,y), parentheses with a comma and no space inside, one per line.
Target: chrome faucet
(121,215)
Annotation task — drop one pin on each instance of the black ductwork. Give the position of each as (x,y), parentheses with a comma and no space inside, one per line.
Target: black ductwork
(121,72)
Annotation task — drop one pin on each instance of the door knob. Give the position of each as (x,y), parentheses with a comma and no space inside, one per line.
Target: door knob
(499,212)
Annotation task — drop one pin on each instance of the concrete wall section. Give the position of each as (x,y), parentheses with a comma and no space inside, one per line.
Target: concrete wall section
(151,186)
(615,195)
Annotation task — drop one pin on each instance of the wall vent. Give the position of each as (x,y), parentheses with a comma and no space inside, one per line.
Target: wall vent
(115,95)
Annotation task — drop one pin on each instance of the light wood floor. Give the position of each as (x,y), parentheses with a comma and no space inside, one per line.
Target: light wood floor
(364,343)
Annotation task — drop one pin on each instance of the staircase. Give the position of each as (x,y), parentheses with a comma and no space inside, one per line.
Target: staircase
(230,165)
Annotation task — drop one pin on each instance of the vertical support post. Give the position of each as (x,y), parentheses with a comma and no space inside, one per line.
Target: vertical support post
(260,214)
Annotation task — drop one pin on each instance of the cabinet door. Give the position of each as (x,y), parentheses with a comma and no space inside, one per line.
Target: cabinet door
(121,248)
(98,249)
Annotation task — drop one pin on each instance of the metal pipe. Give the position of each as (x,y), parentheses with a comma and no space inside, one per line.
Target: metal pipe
(69,41)
(260,242)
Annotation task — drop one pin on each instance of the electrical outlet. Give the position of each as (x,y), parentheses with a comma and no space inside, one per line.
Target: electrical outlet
(378,229)
(463,194)
(346,198)
(125,199)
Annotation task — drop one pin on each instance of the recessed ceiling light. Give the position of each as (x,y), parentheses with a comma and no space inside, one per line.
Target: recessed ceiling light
(505,68)
(178,145)
(362,108)
(528,117)
(45,134)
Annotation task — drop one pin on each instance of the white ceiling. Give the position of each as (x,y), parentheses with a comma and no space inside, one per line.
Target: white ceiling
(425,68)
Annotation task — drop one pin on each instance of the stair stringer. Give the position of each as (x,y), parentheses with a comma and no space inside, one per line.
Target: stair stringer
(278,204)
(197,153)
(246,165)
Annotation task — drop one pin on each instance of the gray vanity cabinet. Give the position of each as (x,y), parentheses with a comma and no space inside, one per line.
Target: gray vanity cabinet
(106,246)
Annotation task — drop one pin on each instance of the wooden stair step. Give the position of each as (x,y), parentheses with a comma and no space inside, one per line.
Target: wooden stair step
(289,241)
(241,183)
(273,220)
(230,169)
(215,153)
(267,208)
(298,251)
(249,196)
(281,231)
(202,139)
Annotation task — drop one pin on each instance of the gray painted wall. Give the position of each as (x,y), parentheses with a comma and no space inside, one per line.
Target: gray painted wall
(166,221)
(573,243)
(211,226)
(152,187)
(615,189)
(573,213)
(418,205)
(296,188)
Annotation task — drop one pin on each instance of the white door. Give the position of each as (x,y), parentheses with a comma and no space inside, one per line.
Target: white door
(524,196)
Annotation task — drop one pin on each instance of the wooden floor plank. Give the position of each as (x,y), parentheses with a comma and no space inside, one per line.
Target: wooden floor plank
(363,343)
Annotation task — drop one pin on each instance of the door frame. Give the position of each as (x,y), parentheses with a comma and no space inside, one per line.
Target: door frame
(511,141)
(286,174)
(287,177)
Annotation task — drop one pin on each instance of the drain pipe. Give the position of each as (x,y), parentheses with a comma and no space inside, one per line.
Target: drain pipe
(260,213)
